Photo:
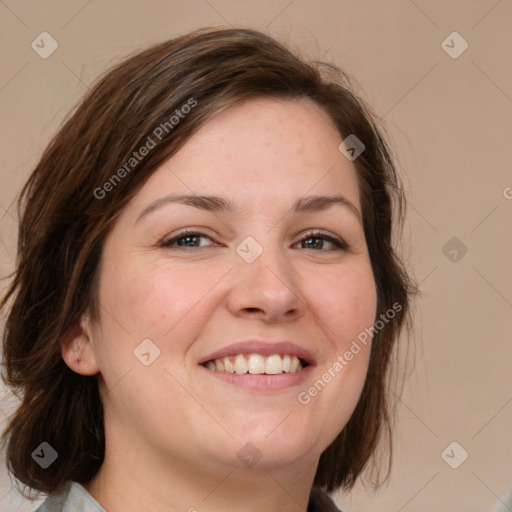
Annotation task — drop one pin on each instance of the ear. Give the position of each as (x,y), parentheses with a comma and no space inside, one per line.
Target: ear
(77,347)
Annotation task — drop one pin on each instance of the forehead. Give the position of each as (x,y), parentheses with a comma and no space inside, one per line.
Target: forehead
(264,147)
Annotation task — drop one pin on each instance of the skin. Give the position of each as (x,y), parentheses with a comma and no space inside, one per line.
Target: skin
(172,429)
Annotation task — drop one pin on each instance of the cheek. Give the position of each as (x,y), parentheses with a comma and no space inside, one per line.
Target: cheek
(163,303)
(346,303)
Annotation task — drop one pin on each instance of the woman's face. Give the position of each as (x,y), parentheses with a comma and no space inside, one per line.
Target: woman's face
(260,276)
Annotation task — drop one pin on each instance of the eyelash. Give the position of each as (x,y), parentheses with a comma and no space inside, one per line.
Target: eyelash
(340,245)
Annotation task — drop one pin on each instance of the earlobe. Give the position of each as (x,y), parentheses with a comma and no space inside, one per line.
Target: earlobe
(77,347)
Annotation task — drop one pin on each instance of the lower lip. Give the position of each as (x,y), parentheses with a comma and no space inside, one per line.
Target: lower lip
(261,382)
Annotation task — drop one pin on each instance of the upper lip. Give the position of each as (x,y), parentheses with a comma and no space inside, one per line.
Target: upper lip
(264,348)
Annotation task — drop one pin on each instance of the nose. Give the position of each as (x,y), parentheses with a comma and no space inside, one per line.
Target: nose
(267,289)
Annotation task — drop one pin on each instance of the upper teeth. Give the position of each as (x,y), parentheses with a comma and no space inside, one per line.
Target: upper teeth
(256,364)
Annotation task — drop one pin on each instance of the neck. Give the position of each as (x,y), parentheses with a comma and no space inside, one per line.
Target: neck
(133,480)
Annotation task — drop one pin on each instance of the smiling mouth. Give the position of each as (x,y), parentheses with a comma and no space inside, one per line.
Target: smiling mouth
(256,364)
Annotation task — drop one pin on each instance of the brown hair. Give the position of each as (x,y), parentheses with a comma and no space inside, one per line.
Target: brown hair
(65,215)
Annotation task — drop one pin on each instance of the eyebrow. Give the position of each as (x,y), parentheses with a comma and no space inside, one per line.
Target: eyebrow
(216,204)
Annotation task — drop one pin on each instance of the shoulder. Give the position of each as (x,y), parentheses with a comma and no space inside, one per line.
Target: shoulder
(319,501)
(73,498)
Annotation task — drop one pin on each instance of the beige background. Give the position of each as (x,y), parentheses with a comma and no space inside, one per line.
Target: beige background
(450,121)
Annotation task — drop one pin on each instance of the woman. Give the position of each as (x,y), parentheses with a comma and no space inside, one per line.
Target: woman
(206,296)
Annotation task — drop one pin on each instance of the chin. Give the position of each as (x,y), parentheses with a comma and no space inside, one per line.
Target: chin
(272,444)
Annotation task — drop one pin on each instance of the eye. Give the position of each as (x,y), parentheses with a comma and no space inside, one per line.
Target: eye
(185,239)
(314,237)
(189,239)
